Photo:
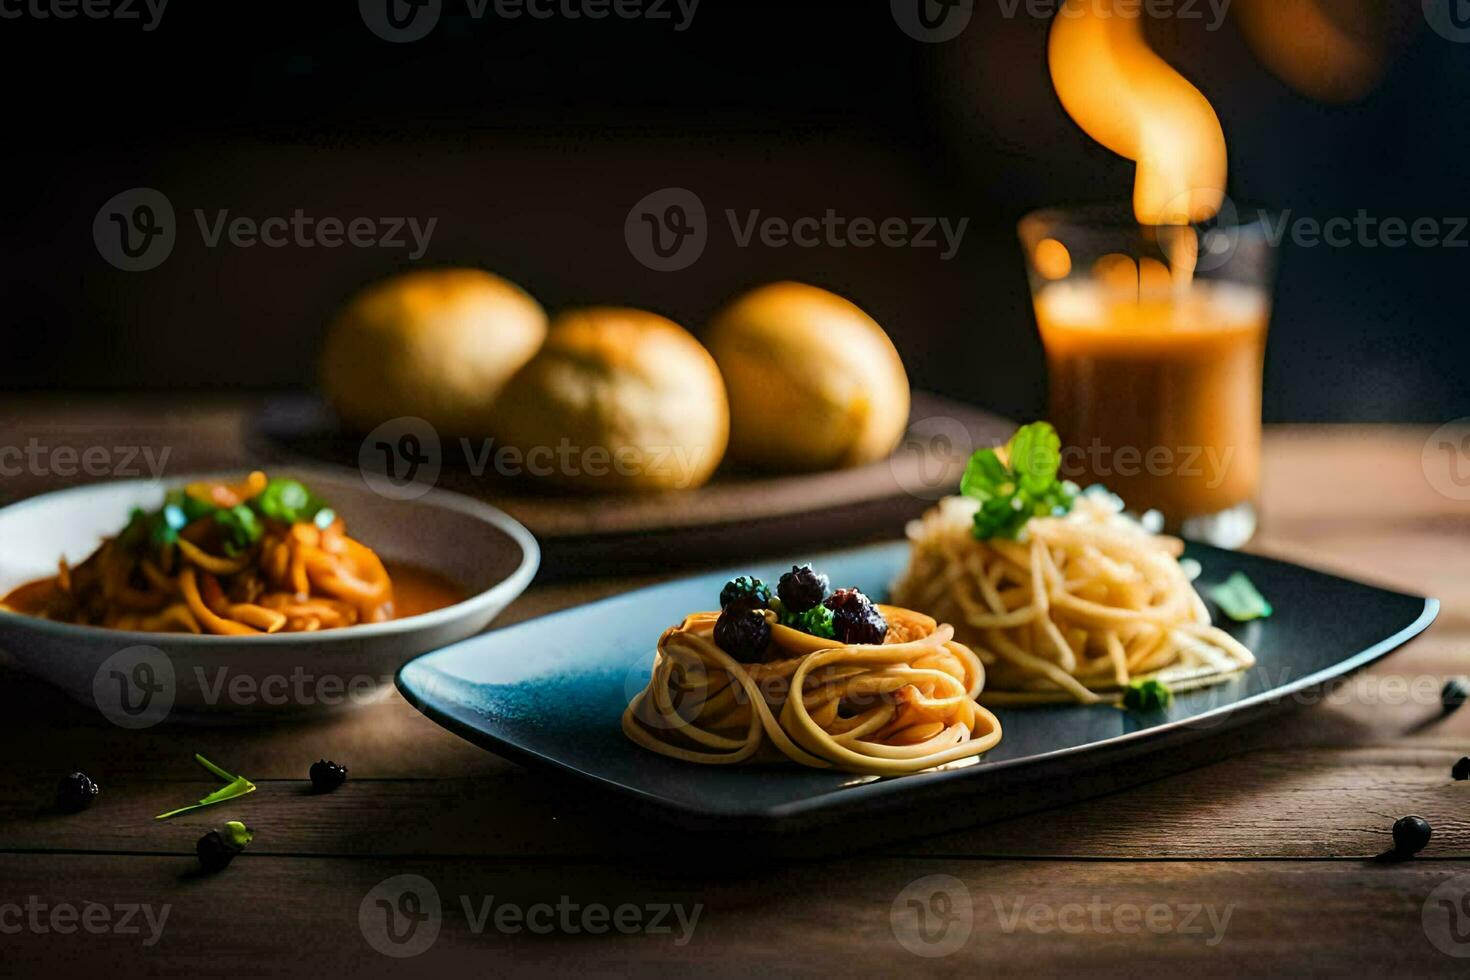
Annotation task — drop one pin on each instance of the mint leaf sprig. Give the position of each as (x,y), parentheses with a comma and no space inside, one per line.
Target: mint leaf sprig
(1013,492)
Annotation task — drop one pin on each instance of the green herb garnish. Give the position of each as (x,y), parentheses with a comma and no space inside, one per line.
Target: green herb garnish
(1146,696)
(236,786)
(1010,495)
(817,621)
(158,529)
(137,533)
(288,501)
(1238,599)
(239,528)
(284,500)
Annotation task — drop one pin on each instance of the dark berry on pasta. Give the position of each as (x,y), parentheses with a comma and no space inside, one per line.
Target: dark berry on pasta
(743,633)
(745,592)
(801,588)
(854,617)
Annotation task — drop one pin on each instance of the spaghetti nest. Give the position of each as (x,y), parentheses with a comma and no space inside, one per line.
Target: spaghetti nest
(263,556)
(1080,608)
(886,709)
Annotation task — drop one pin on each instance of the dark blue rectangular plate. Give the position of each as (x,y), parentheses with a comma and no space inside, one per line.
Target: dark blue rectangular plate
(550,692)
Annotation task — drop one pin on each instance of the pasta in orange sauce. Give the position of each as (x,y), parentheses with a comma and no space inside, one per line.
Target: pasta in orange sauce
(263,556)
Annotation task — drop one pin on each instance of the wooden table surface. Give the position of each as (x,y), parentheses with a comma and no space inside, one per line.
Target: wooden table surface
(1258,858)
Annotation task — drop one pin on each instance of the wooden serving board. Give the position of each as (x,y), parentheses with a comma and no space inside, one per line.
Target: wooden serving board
(739,515)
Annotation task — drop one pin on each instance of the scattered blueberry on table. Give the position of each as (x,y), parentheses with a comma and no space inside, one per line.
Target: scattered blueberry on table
(1410,835)
(76,792)
(1455,693)
(327,776)
(218,848)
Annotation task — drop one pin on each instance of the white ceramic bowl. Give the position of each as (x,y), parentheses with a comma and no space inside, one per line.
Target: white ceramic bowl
(139,679)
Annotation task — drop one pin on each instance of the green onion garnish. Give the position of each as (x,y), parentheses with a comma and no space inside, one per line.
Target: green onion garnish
(235,787)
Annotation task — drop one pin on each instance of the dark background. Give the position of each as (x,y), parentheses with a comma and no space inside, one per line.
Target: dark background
(531,140)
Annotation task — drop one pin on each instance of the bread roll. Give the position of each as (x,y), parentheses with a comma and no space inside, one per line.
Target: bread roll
(814,382)
(617,399)
(438,344)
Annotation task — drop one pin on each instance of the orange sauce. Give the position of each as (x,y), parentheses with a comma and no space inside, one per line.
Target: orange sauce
(418,590)
(1158,397)
(30,598)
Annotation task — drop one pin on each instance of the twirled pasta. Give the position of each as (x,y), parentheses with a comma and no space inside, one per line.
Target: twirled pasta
(898,707)
(1085,605)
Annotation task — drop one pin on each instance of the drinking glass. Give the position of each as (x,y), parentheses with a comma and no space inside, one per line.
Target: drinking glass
(1155,342)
